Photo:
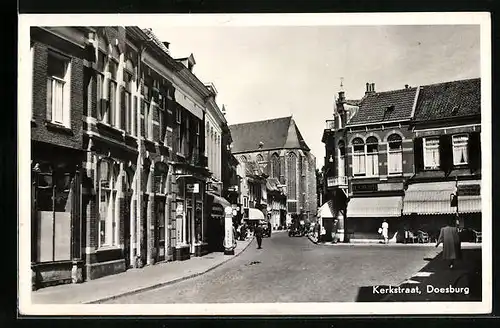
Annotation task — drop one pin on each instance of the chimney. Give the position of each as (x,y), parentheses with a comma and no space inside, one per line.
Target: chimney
(406,86)
(370,88)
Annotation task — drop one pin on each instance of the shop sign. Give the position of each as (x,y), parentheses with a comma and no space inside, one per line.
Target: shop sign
(469,190)
(193,188)
(179,211)
(364,187)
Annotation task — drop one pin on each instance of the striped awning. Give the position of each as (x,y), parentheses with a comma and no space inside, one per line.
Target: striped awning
(255,214)
(375,207)
(326,210)
(434,198)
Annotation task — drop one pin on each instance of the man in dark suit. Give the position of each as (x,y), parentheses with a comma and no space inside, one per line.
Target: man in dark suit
(258,234)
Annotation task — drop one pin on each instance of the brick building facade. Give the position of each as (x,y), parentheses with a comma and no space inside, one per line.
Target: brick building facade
(374,160)
(119,169)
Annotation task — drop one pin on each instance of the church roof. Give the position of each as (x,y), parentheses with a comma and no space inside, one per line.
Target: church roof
(276,133)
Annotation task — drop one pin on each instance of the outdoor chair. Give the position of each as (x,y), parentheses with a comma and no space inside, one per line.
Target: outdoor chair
(423,237)
(411,237)
(477,236)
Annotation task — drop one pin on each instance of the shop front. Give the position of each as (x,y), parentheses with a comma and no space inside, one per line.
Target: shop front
(56,225)
(190,225)
(428,206)
(365,216)
(215,223)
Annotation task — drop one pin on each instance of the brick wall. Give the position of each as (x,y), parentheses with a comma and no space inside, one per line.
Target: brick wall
(39,130)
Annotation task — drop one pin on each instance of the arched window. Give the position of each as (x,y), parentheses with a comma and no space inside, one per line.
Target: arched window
(371,156)
(395,154)
(275,166)
(243,159)
(108,177)
(260,158)
(341,158)
(358,157)
(292,176)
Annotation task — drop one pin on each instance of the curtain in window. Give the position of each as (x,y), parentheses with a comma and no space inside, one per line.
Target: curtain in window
(371,156)
(460,154)
(395,154)
(358,157)
(431,153)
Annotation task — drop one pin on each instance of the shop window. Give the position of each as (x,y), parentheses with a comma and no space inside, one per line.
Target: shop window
(431,153)
(108,178)
(358,157)
(53,226)
(460,153)
(395,154)
(58,89)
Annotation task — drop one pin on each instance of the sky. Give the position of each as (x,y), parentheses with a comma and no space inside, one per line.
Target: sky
(264,72)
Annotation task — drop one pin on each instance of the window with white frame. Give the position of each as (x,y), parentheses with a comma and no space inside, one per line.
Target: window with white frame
(245,201)
(126,103)
(460,155)
(108,213)
(102,88)
(371,156)
(395,154)
(358,157)
(341,158)
(58,89)
(431,153)
(113,71)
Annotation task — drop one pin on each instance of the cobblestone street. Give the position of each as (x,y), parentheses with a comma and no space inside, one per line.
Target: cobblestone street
(292,269)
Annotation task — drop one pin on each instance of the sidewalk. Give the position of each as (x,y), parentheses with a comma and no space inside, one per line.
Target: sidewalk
(361,242)
(134,280)
(437,282)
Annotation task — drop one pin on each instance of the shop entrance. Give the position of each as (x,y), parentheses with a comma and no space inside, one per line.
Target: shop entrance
(160,229)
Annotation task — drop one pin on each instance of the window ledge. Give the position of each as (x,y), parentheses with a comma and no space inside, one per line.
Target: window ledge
(181,155)
(58,127)
(107,248)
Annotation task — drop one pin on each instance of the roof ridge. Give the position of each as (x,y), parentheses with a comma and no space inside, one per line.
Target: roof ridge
(450,82)
(266,120)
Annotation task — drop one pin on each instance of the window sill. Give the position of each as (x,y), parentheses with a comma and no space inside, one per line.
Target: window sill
(181,155)
(107,248)
(58,127)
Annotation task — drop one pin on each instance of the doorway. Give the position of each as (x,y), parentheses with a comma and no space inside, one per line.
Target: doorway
(160,229)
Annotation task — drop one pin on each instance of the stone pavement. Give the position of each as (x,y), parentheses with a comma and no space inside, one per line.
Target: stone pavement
(134,280)
(437,282)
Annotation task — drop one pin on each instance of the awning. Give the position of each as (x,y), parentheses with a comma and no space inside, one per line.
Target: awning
(185,102)
(326,210)
(218,205)
(255,214)
(434,198)
(375,207)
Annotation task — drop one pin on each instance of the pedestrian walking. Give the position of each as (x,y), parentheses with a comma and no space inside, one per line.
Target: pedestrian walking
(385,231)
(258,234)
(451,243)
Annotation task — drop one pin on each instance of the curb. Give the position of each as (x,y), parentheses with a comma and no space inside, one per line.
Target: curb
(166,283)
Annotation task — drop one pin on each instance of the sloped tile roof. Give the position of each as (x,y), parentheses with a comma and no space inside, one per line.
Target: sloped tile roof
(274,134)
(449,99)
(374,107)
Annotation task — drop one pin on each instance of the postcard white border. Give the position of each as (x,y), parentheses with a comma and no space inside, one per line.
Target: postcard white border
(344,308)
